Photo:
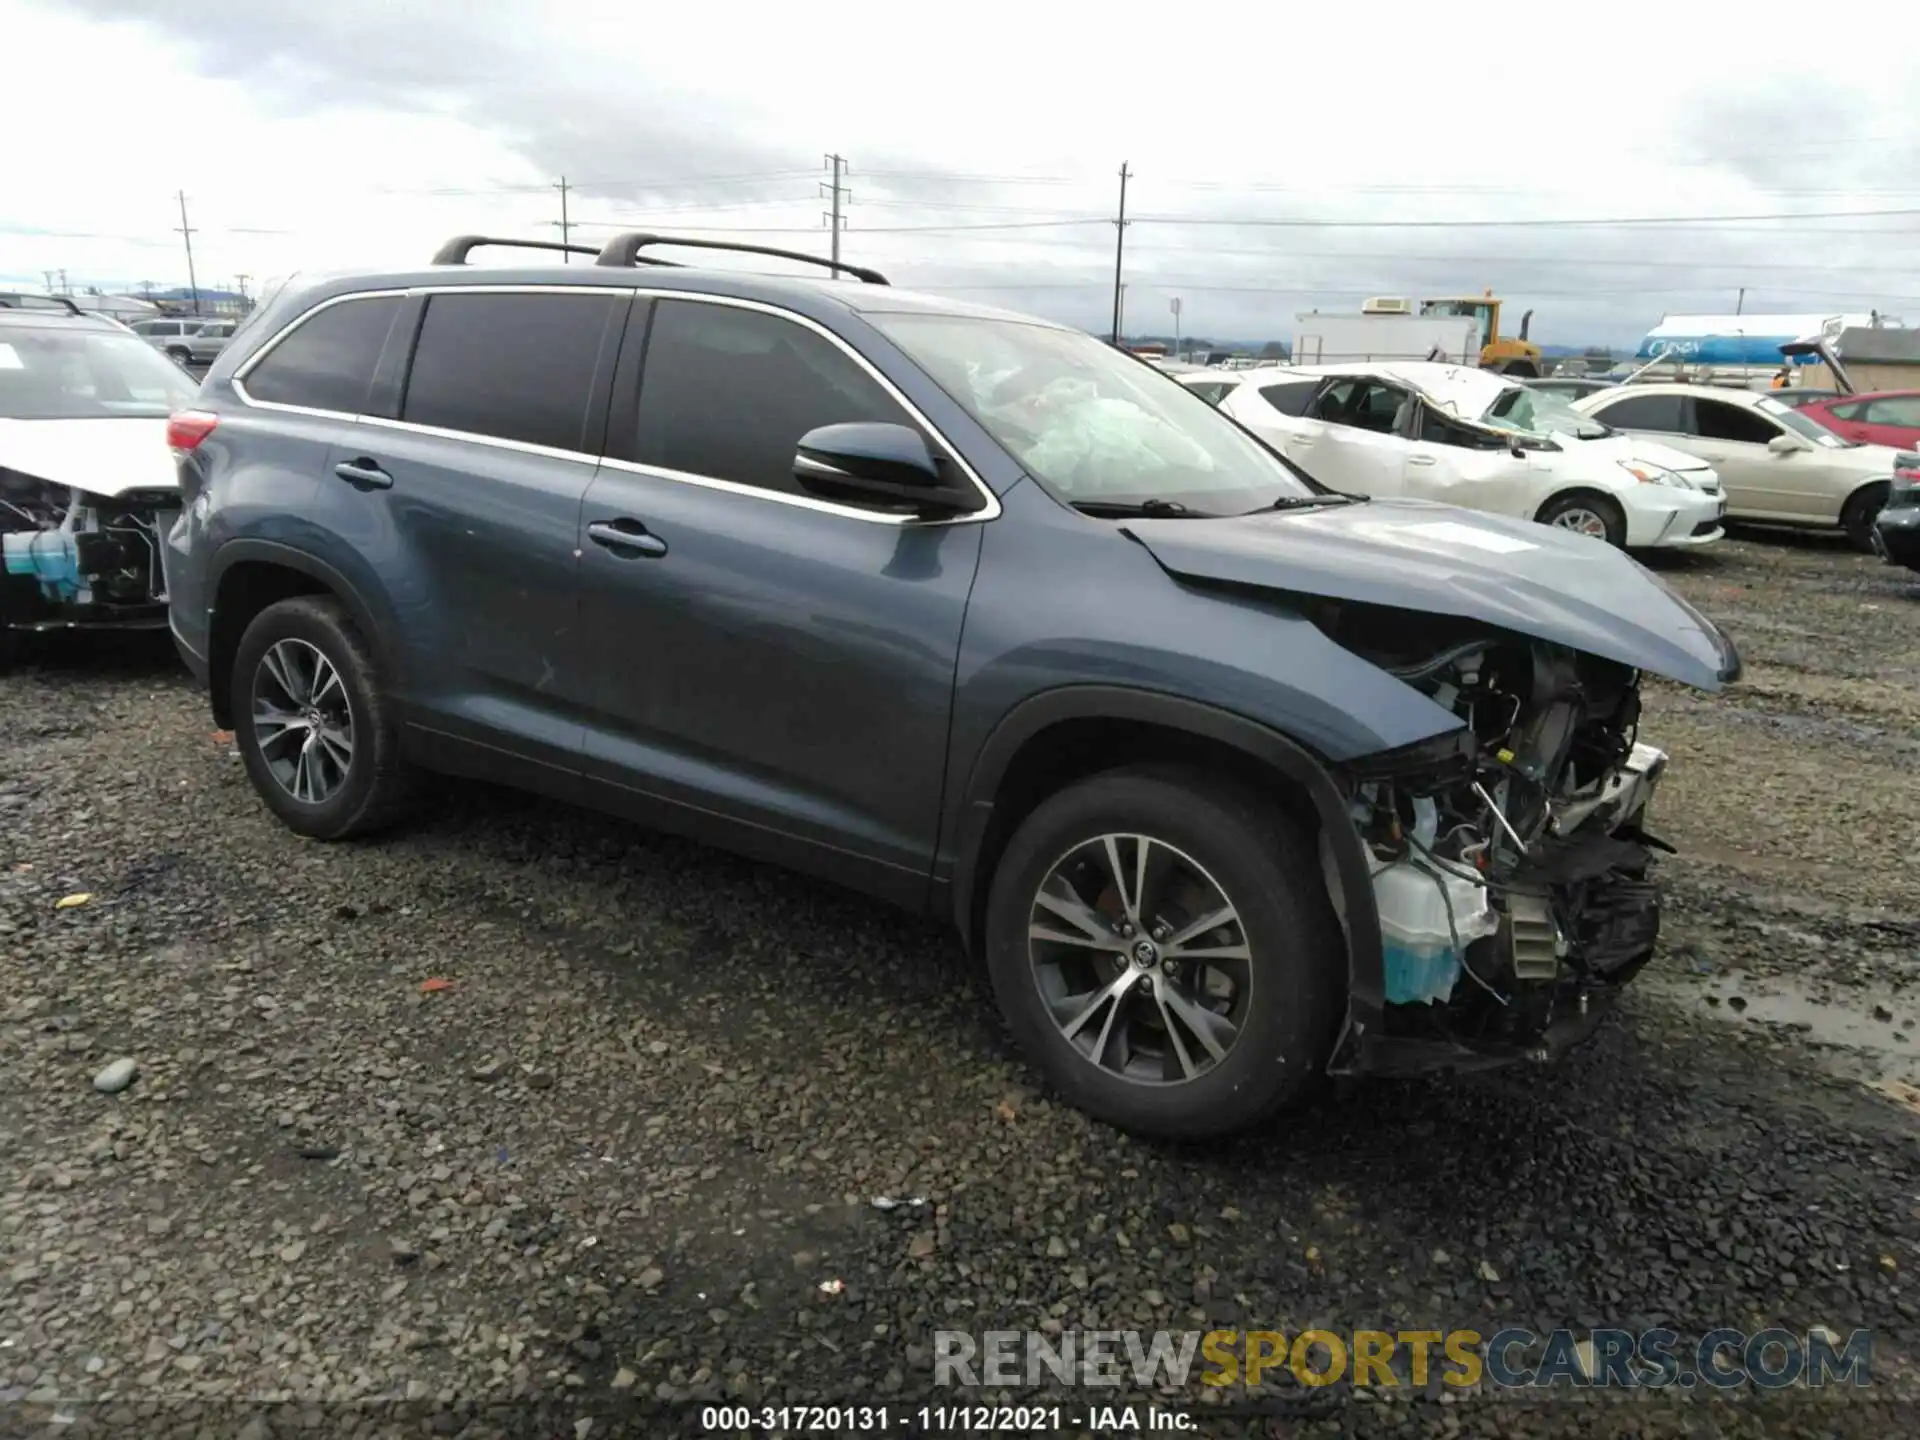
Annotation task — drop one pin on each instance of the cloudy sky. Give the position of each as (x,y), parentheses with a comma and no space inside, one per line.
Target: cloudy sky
(1282,158)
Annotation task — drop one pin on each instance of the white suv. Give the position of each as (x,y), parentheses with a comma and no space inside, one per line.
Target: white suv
(1469,437)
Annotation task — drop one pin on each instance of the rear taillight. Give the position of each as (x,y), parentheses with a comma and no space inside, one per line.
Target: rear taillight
(187,428)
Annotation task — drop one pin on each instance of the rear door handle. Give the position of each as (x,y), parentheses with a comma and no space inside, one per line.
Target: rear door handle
(364,473)
(626,538)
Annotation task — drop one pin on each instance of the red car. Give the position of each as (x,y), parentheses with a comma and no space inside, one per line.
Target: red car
(1885,417)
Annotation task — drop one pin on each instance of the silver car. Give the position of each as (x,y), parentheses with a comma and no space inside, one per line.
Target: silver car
(212,339)
(172,337)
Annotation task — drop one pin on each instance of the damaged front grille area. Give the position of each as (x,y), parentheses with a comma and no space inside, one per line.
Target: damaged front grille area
(69,558)
(1511,879)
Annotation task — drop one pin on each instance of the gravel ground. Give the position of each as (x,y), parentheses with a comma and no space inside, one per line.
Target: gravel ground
(612,1162)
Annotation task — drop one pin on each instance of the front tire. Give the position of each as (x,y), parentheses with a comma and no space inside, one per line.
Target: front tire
(317,736)
(1586,514)
(1163,949)
(1857,517)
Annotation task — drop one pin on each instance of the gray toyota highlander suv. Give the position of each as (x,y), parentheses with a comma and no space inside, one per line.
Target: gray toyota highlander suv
(1230,781)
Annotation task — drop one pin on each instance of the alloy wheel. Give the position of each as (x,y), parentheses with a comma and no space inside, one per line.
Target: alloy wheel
(1582,520)
(1141,959)
(303,721)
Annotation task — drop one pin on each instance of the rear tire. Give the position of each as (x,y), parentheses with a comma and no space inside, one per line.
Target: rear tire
(182,358)
(1587,514)
(318,737)
(1182,1049)
(1857,516)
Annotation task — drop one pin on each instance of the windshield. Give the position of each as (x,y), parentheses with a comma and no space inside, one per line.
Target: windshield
(1540,412)
(1092,425)
(47,374)
(1803,426)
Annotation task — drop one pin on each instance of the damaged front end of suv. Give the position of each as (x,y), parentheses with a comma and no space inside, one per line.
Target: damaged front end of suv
(1510,860)
(1503,890)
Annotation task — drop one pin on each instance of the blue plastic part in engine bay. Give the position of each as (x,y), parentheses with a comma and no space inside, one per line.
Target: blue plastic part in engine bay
(49,556)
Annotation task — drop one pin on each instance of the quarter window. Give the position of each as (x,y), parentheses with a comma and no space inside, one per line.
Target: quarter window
(326,362)
(513,367)
(728,392)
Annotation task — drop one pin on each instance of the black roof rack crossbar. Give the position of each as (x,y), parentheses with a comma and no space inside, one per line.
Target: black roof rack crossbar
(14,301)
(624,250)
(456,250)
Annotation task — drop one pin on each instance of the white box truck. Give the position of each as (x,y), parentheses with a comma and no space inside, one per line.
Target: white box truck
(1324,339)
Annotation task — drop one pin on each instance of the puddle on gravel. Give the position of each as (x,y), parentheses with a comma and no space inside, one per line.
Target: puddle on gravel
(1845,1028)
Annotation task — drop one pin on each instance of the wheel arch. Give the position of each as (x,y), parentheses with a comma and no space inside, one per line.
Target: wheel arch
(1056,738)
(1589,493)
(1860,492)
(249,575)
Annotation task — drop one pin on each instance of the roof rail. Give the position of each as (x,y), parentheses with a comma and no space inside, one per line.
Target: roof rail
(456,250)
(623,250)
(14,300)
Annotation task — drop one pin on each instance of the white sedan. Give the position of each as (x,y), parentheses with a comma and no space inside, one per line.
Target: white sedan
(1472,438)
(1779,466)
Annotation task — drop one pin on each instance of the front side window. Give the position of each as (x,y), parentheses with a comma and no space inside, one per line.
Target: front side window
(1090,424)
(1805,426)
(1894,410)
(1663,414)
(46,374)
(727,393)
(326,362)
(509,366)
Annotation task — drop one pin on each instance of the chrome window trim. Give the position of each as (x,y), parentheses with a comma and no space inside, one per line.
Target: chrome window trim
(248,365)
(991,511)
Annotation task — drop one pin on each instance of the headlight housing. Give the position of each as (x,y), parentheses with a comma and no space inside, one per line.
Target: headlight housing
(1648,473)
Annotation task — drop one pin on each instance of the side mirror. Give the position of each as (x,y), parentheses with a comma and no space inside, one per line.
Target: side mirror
(865,463)
(1786,444)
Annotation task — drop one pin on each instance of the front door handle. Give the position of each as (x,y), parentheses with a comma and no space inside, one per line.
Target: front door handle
(1421,460)
(364,473)
(628,539)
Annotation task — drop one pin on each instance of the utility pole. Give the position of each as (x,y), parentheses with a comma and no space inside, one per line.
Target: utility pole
(1176,327)
(837,193)
(566,226)
(240,284)
(1119,247)
(186,234)
(65,289)
(52,289)
(1740,305)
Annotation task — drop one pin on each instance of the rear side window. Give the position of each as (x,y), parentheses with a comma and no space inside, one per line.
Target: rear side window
(1852,410)
(1717,420)
(727,393)
(1289,397)
(514,367)
(1646,412)
(326,362)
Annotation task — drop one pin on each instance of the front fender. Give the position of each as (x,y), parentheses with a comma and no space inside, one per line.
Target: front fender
(1359,917)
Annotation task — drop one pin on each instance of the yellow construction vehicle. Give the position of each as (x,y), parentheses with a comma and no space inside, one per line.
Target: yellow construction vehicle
(1516,356)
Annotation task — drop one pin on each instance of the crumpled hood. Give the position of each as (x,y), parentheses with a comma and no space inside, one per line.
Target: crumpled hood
(1635,447)
(1520,576)
(104,457)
